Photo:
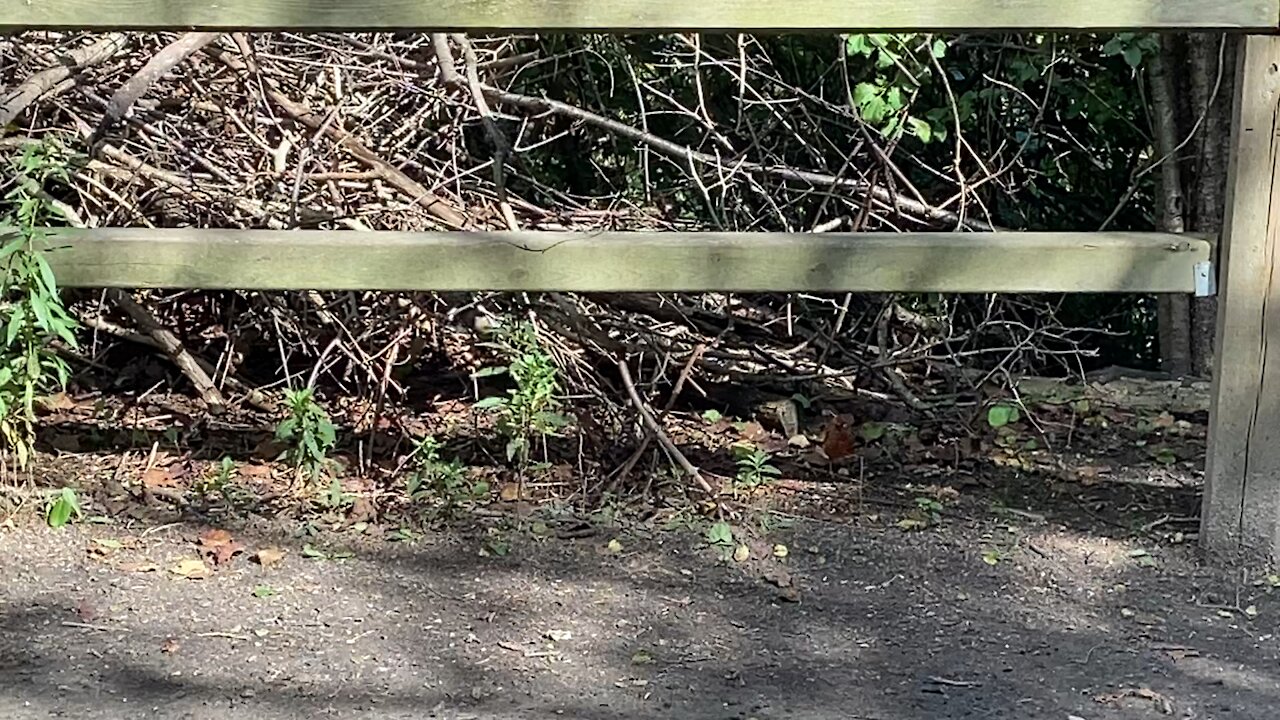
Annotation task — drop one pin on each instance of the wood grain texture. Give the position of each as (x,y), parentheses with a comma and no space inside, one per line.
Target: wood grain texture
(759,15)
(1241,507)
(625,262)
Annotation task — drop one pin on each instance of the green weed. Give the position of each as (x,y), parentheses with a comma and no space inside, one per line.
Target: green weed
(33,314)
(754,468)
(308,433)
(434,479)
(529,410)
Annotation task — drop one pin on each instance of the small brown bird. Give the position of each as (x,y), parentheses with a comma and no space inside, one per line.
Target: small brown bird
(838,438)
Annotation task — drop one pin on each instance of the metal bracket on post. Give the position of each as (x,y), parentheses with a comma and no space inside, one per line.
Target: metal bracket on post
(1205,282)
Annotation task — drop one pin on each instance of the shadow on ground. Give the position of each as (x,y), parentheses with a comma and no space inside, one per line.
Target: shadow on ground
(888,625)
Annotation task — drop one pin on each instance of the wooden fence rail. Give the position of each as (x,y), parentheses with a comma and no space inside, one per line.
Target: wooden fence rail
(647,15)
(629,261)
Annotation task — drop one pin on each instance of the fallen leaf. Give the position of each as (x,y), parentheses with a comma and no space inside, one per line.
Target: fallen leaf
(254,471)
(789,594)
(1162,703)
(641,657)
(1251,611)
(192,569)
(269,556)
(615,546)
(780,551)
(361,511)
(55,402)
(86,611)
(169,646)
(798,441)
(263,591)
(218,546)
(1163,420)
(158,477)
(753,432)
(510,492)
(742,553)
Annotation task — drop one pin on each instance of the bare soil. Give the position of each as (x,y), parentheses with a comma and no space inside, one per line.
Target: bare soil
(860,620)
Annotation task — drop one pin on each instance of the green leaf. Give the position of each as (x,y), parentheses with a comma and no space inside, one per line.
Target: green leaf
(939,48)
(1133,56)
(489,403)
(871,431)
(263,591)
(311,551)
(61,510)
(489,372)
(1000,415)
(720,534)
(59,514)
(857,45)
(921,129)
(46,275)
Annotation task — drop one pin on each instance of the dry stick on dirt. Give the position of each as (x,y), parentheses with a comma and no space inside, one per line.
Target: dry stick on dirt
(689,364)
(172,347)
(683,153)
(646,416)
(254,397)
(59,77)
(419,194)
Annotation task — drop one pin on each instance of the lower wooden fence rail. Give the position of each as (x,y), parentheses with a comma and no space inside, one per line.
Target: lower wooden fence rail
(1009,262)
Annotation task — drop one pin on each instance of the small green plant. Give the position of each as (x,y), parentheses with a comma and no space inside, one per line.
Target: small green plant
(220,482)
(334,497)
(1001,415)
(308,432)
(754,468)
(62,508)
(931,508)
(720,537)
(927,512)
(314,553)
(530,409)
(33,314)
(217,481)
(435,479)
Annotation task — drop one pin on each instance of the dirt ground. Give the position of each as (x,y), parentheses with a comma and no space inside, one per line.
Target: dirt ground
(1063,585)
(859,620)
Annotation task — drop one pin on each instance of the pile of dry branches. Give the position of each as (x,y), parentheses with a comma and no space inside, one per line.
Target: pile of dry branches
(423,132)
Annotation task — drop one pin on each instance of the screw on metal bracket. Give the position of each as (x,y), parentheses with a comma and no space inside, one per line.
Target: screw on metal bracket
(1205,282)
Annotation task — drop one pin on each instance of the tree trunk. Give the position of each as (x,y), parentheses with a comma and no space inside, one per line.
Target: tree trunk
(1174,310)
(1211,92)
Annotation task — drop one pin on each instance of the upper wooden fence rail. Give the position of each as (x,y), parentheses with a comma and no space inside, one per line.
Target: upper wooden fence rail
(643,15)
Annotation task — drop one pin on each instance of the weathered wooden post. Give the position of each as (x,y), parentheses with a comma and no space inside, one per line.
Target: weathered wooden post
(1241,510)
